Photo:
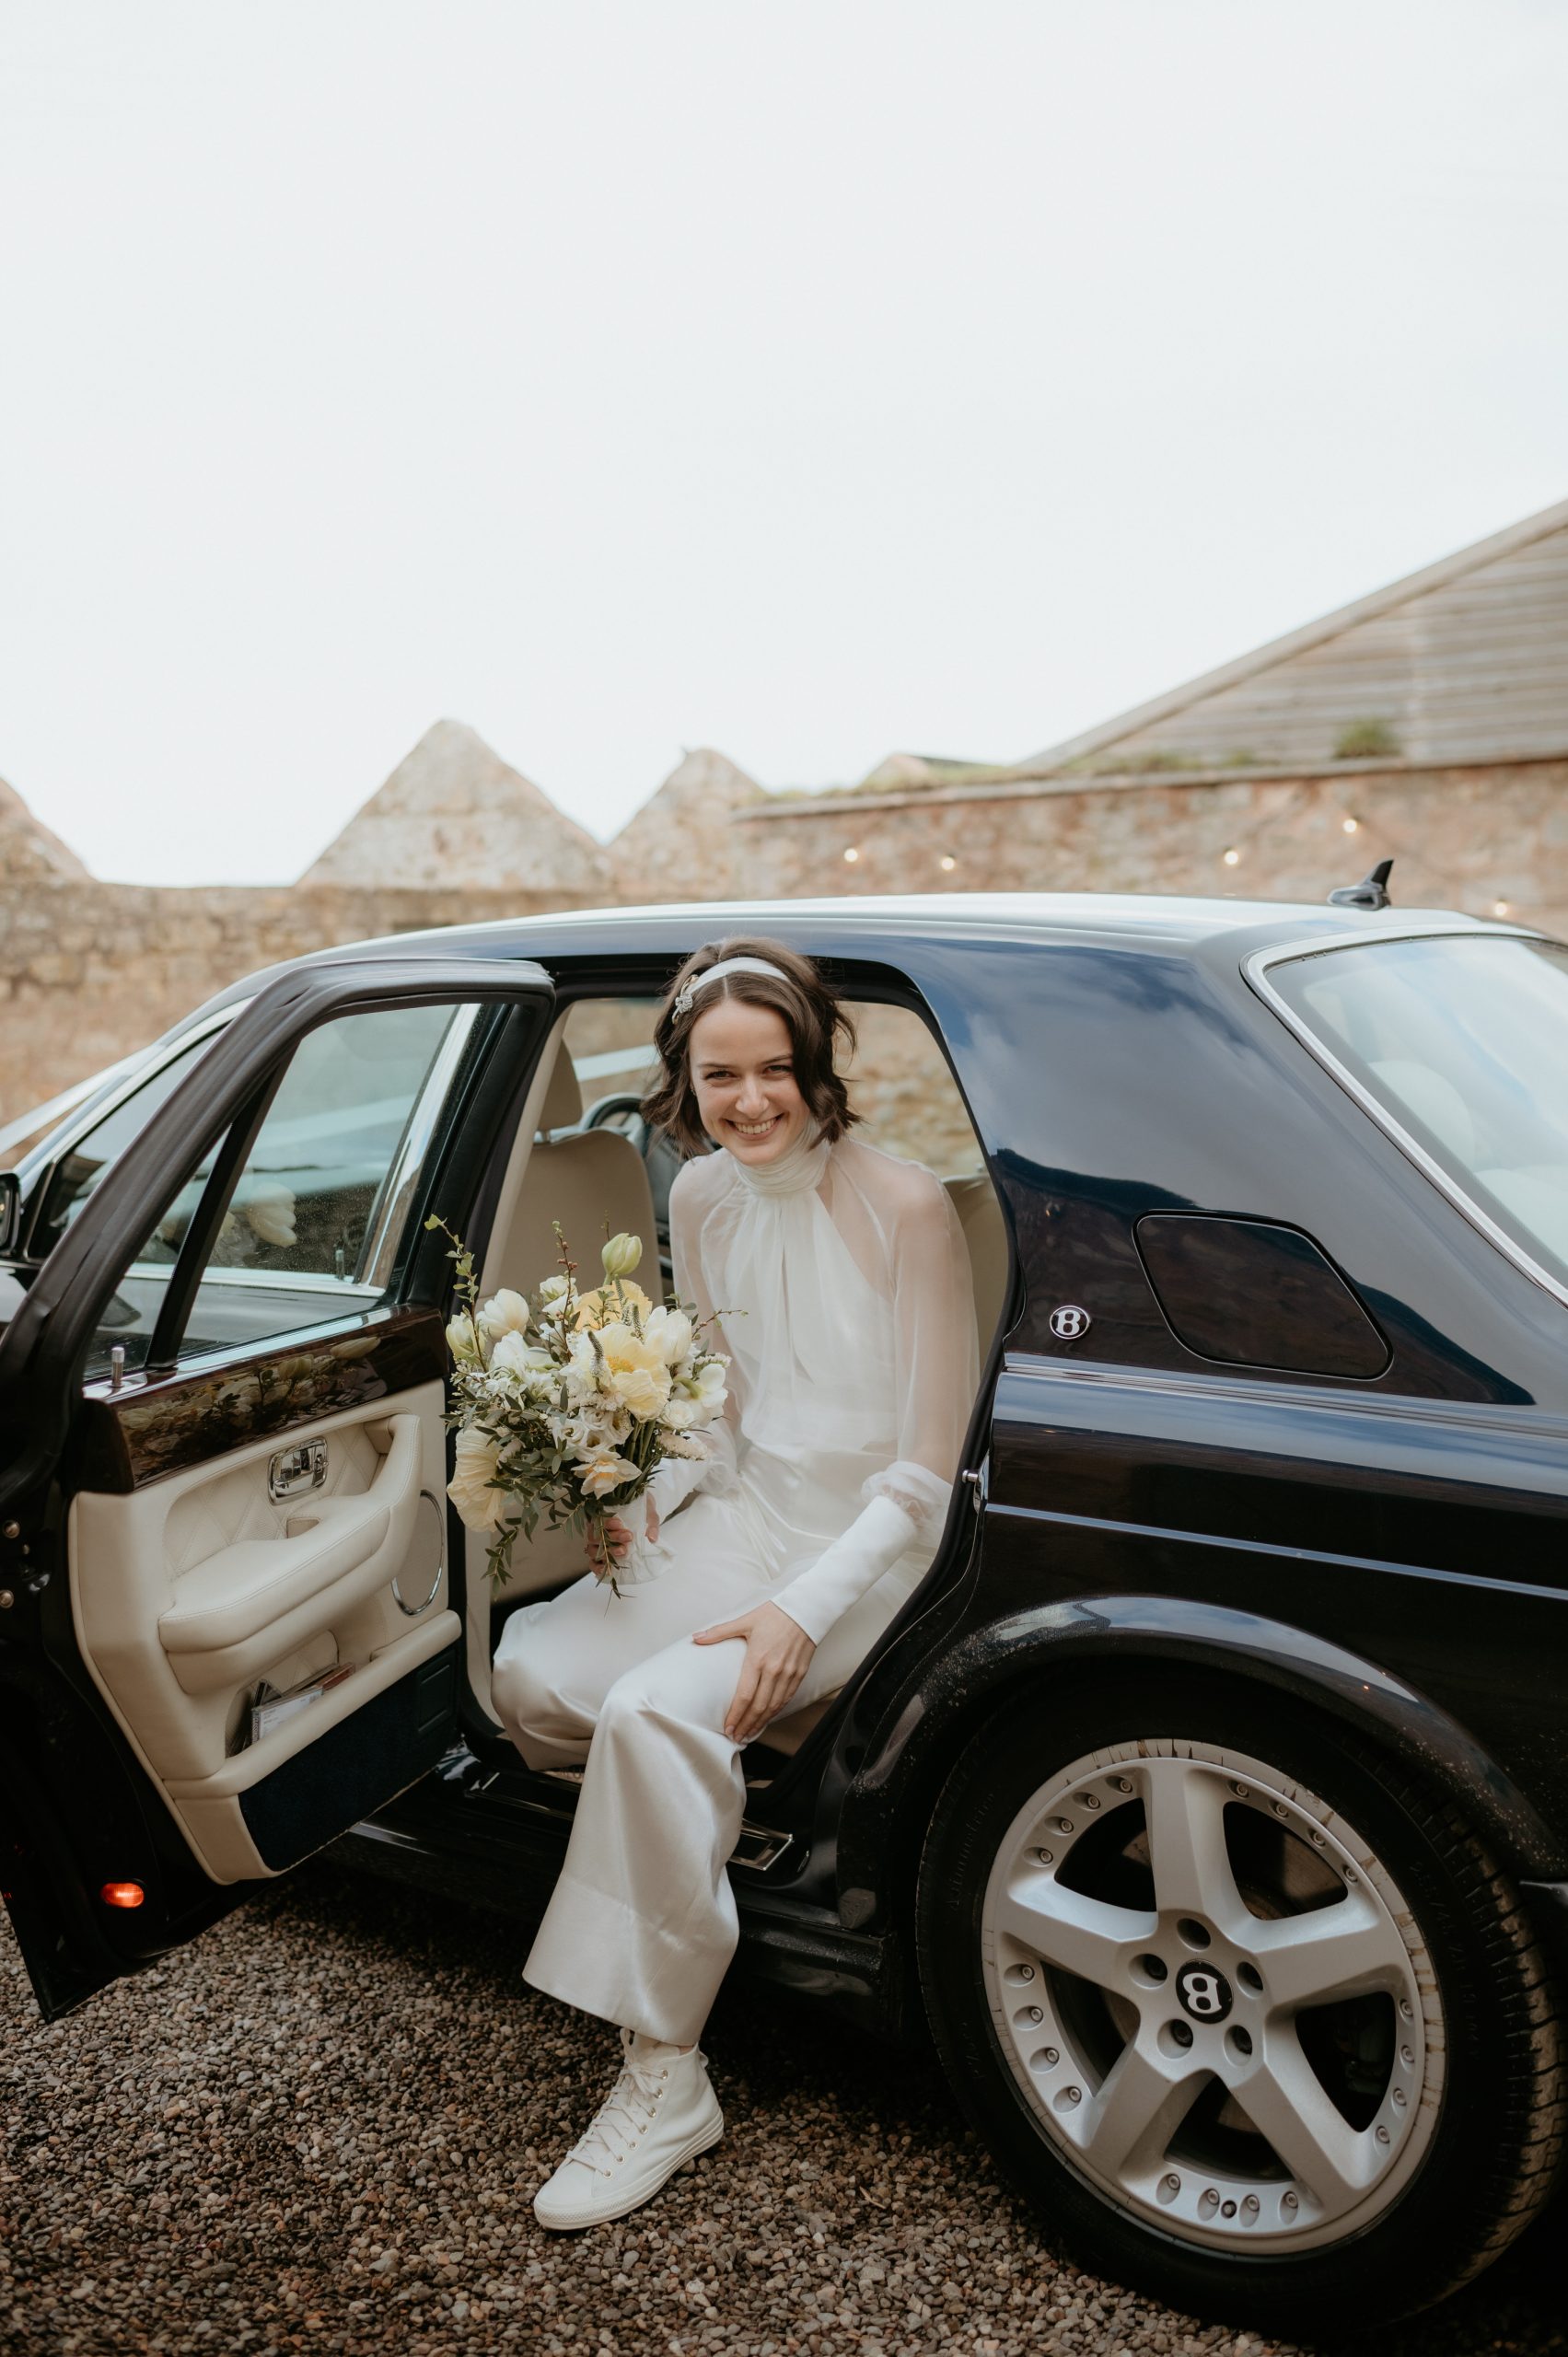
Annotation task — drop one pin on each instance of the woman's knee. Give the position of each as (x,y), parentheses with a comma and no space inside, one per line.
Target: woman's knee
(686,1685)
(526,1682)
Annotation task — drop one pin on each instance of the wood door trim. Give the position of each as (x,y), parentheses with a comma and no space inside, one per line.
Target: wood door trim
(128,1438)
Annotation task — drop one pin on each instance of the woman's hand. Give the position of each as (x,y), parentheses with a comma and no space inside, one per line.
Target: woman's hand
(778,1654)
(619,1537)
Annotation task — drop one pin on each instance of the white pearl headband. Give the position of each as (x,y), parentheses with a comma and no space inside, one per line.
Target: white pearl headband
(726,966)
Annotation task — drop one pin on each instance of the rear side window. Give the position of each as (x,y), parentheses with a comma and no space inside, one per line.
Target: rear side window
(1249,1293)
(1460,1042)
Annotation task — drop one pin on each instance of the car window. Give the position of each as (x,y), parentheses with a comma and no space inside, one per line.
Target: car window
(1463,1042)
(84,1162)
(329,1175)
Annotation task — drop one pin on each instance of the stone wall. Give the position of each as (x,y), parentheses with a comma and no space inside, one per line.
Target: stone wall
(1459,838)
(90,970)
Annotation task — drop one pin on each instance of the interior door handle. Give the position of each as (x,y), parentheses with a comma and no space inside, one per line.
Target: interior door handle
(336,1552)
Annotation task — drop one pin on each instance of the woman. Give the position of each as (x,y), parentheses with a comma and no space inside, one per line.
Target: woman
(842,1284)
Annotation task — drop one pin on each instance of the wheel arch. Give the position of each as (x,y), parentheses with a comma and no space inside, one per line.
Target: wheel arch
(887,1806)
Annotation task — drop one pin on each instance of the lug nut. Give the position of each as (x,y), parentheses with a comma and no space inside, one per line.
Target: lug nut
(1406,2014)
(1279,1809)
(1407,2056)
(1033,2013)
(1290,2203)
(1064,1825)
(1124,1783)
(1382,2135)
(1074,2094)
(1053,2057)
(1181,2033)
(1026,1972)
(1240,1789)
(1173,2184)
(1044,1857)
(1250,2207)
(1399,2098)
(1086,1800)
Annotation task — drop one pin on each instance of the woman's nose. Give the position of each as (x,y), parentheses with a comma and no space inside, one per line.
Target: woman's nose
(752,1097)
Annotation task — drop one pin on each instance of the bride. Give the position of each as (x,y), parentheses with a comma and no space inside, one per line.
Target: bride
(842,1284)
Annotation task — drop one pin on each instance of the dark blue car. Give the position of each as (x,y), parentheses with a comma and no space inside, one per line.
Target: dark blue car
(1208,1805)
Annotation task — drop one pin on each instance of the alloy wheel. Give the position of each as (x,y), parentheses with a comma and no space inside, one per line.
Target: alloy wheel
(1212,1996)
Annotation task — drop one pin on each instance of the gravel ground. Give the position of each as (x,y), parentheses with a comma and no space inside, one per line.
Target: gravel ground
(321,2127)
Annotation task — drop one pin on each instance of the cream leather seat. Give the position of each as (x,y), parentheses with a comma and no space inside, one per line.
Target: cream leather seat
(583,1179)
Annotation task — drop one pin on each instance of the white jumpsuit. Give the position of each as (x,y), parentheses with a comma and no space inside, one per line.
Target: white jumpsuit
(847,1312)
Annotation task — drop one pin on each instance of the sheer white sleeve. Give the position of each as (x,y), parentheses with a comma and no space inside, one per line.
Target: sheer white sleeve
(936,1374)
(679,1478)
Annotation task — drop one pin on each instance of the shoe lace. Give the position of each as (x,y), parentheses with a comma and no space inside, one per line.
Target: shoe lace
(629,2107)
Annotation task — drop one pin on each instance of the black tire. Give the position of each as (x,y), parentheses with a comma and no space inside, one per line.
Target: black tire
(1492,2157)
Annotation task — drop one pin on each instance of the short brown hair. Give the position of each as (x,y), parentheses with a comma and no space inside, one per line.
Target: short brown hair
(813,1012)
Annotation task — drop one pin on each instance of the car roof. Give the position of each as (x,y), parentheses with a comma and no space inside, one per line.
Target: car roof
(857,923)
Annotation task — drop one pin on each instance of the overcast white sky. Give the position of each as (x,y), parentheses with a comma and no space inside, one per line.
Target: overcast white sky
(808,380)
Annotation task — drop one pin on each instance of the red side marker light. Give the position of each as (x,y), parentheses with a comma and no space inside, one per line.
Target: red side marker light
(122,1894)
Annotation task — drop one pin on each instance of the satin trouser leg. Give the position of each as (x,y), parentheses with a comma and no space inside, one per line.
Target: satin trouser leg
(641,1925)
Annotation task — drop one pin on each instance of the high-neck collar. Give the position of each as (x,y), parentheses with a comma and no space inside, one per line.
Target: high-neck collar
(800,1165)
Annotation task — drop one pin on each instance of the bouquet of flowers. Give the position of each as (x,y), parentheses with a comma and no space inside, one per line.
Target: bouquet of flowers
(566,1402)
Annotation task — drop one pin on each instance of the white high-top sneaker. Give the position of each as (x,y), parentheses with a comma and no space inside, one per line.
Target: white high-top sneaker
(661,2113)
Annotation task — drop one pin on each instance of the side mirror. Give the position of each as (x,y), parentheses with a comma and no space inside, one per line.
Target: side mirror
(10,1209)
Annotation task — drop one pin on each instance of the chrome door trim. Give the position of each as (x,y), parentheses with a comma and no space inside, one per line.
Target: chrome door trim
(390,1209)
(1256,971)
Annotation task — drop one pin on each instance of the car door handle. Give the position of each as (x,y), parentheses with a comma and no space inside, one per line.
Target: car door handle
(335,1551)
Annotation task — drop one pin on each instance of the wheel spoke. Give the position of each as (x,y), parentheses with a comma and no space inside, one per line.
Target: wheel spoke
(1076,1933)
(1339,1951)
(1185,1815)
(1128,2125)
(1285,2102)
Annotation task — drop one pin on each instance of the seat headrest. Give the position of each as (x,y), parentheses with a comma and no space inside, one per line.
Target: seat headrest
(562,1106)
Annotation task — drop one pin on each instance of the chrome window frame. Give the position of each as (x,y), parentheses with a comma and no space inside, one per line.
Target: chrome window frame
(1257,970)
(390,1209)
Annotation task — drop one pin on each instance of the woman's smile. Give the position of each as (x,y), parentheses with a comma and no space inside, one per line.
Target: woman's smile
(742,1068)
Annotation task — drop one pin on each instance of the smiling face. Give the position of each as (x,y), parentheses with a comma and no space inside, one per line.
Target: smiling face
(742,1067)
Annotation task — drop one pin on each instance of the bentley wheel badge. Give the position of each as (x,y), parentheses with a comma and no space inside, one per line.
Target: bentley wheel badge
(1069,1321)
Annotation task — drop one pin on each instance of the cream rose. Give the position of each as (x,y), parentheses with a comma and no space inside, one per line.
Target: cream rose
(477,1457)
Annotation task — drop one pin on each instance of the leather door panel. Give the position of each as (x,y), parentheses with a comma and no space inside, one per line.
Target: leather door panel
(190,1588)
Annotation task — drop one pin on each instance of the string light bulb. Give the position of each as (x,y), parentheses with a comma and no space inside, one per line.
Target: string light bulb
(852,854)
(1349,825)
(948,862)
(1501,908)
(1233,859)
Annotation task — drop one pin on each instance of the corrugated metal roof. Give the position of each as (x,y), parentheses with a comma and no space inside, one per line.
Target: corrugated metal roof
(1465,660)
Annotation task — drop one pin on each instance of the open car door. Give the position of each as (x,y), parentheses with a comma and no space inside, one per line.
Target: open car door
(225,1482)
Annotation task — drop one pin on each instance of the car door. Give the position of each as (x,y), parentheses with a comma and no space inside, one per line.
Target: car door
(228,1628)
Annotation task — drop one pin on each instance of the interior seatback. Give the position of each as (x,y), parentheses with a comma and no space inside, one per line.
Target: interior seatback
(584,1179)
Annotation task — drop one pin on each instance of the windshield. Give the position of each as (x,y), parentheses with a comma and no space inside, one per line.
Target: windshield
(1464,1042)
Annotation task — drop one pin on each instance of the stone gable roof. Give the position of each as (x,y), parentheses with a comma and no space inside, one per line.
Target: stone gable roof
(453,815)
(28,849)
(1465,660)
(679,845)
